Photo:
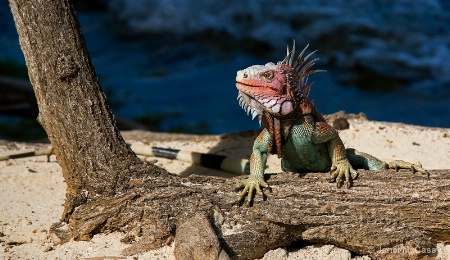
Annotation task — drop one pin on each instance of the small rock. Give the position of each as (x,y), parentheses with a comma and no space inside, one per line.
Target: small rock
(15,243)
(341,124)
(443,251)
(277,254)
(326,252)
(47,248)
(196,239)
(60,233)
(364,257)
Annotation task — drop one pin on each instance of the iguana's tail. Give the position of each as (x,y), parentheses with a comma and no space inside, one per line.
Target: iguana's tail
(360,160)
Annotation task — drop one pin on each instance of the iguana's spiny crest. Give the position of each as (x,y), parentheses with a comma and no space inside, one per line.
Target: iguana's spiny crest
(275,88)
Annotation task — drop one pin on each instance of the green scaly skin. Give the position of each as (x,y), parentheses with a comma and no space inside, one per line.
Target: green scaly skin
(295,129)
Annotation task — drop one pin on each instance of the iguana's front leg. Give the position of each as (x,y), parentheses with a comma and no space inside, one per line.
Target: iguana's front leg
(258,161)
(341,169)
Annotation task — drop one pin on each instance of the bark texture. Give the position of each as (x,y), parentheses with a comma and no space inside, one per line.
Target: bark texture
(72,106)
(385,209)
(109,189)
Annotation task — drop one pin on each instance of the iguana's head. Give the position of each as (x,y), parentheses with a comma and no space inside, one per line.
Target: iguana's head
(275,88)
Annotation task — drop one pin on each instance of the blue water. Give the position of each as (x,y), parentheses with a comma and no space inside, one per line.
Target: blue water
(147,75)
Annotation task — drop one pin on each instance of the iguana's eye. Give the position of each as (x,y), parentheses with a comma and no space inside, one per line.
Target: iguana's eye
(267,74)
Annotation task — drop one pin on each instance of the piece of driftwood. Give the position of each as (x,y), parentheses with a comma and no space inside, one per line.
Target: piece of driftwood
(383,210)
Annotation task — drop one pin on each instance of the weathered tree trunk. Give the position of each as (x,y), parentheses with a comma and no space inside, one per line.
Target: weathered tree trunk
(386,213)
(383,210)
(72,107)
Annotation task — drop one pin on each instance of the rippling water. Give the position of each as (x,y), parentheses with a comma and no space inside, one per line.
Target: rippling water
(189,76)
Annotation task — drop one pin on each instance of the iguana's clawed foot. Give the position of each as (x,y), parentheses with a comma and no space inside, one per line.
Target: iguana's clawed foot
(415,167)
(253,184)
(342,172)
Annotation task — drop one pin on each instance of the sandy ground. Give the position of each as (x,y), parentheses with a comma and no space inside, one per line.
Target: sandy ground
(32,190)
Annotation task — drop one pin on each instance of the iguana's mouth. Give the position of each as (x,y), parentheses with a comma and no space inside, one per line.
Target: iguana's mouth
(276,106)
(240,84)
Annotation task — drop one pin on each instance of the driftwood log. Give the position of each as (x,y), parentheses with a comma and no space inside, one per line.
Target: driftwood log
(109,189)
(385,209)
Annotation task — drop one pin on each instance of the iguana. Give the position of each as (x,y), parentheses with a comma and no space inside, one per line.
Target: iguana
(293,127)
(294,130)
